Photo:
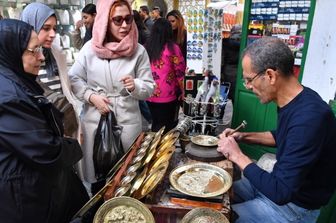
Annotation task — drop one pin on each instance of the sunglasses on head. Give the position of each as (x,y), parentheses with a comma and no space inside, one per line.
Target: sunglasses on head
(119,20)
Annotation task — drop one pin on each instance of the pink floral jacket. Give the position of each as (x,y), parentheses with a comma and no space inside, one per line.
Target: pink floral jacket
(168,73)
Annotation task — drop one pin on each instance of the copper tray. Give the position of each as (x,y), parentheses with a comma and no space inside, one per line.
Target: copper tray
(208,215)
(205,140)
(200,180)
(128,209)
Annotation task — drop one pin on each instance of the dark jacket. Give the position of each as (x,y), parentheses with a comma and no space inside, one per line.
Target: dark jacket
(36,176)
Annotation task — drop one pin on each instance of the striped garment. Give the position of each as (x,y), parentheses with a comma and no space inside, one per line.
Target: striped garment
(53,82)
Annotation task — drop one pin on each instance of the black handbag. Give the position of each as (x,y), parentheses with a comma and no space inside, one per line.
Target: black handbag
(107,148)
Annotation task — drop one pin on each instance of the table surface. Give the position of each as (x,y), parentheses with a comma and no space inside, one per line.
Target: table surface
(159,201)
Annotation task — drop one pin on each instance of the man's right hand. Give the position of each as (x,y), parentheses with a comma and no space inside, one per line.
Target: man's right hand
(229,132)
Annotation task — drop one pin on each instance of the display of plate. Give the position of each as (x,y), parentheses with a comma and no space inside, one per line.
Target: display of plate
(128,178)
(172,135)
(205,140)
(149,156)
(123,210)
(151,181)
(163,158)
(139,180)
(167,146)
(122,190)
(204,215)
(200,180)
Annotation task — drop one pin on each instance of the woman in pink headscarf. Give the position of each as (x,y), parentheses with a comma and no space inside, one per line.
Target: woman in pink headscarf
(112,72)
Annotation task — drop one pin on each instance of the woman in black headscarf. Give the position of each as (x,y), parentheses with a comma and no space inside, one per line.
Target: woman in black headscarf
(35,160)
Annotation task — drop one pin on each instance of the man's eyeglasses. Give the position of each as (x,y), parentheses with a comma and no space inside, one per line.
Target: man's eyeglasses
(119,20)
(36,50)
(248,81)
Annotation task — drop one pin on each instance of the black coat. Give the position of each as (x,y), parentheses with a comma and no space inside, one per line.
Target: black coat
(36,177)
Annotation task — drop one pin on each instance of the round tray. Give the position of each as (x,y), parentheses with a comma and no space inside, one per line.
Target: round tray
(200,180)
(128,209)
(204,215)
(205,140)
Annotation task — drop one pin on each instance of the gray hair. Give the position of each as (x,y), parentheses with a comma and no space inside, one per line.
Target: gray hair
(36,14)
(270,52)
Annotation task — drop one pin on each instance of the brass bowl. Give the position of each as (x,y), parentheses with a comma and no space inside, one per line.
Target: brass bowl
(204,215)
(127,178)
(151,181)
(139,180)
(122,190)
(126,207)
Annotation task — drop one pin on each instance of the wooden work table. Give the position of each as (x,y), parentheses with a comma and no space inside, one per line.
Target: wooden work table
(159,201)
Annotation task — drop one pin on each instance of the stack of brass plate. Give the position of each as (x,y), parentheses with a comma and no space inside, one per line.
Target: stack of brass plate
(123,210)
(123,190)
(151,180)
(172,135)
(152,148)
(200,180)
(167,142)
(139,180)
(164,156)
(207,215)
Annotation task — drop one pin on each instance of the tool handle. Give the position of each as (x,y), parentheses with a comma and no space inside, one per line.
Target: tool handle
(242,125)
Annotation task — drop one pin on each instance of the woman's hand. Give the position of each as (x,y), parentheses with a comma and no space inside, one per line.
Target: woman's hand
(79,24)
(128,82)
(101,103)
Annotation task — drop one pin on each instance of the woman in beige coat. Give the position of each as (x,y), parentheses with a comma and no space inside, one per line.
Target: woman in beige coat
(112,72)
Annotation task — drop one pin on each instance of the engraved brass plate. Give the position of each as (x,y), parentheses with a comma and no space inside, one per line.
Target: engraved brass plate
(123,209)
(205,140)
(208,215)
(200,180)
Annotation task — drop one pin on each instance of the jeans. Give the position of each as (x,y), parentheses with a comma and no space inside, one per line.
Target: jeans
(252,206)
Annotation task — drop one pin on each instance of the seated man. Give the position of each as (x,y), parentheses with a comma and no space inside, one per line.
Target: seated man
(302,179)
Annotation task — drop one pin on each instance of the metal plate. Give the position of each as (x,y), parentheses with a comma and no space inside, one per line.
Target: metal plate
(122,190)
(139,180)
(164,157)
(127,178)
(205,140)
(128,209)
(152,180)
(172,135)
(200,180)
(166,146)
(208,215)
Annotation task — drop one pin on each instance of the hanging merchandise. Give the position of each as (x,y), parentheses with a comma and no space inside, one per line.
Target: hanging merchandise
(212,48)
(286,20)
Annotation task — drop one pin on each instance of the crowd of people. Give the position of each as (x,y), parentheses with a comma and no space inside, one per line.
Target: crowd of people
(132,63)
